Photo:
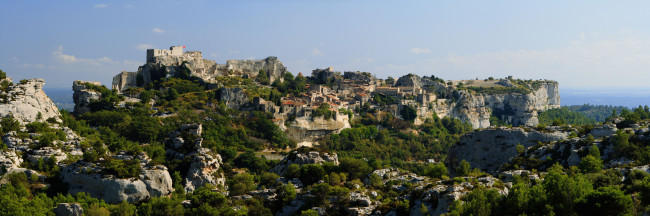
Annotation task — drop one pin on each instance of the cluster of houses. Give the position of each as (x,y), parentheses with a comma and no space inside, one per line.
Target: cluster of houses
(348,91)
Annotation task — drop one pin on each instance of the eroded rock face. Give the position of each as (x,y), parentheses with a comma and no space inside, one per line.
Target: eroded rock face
(205,165)
(313,157)
(412,80)
(9,160)
(204,170)
(234,98)
(83,96)
(604,131)
(25,100)
(271,65)
(86,177)
(488,149)
(68,209)
(306,129)
(516,109)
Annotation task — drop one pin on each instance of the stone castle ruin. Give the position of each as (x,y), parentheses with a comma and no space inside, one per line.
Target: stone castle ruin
(172,51)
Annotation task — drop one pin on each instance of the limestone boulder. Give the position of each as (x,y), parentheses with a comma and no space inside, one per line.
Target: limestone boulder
(88,178)
(68,209)
(25,100)
(204,170)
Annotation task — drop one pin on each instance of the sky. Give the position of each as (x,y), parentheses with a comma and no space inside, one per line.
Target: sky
(581,44)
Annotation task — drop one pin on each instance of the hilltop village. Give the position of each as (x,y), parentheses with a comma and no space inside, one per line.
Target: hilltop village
(334,97)
(183,135)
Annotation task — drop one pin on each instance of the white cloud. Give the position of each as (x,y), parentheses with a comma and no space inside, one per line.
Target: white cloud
(61,57)
(58,54)
(31,65)
(316,52)
(157,30)
(618,62)
(100,6)
(144,46)
(420,50)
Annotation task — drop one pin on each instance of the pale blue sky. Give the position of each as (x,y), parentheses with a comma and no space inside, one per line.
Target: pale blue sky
(578,43)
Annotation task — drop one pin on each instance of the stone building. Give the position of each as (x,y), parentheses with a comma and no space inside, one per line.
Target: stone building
(172,51)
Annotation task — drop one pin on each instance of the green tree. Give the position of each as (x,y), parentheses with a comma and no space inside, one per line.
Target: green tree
(562,190)
(605,201)
(592,162)
(375,181)
(520,148)
(311,173)
(320,193)
(263,78)
(9,124)
(463,169)
(269,179)
(293,171)
(286,193)
(242,184)
(123,209)
(355,168)
(408,113)
(436,170)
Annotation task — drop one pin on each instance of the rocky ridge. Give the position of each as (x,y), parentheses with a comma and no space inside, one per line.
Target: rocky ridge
(26,100)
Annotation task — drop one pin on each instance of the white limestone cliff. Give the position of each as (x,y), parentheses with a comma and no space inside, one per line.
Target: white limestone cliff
(25,100)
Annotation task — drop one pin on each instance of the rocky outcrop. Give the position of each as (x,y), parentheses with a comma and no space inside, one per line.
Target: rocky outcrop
(306,129)
(514,108)
(9,160)
(412,80)
(68,209)
(87,177)
(83,95)
(46,153)
(518,108)
(250,68)
(601,131)
(204,170)
(488,149)
(234,98)
(205,164)
(26,100)
(312,157)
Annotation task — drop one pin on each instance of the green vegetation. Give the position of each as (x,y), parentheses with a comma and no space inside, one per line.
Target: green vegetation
(598,113)
(323,110)
(560,193)
(563,116)
(376,140)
